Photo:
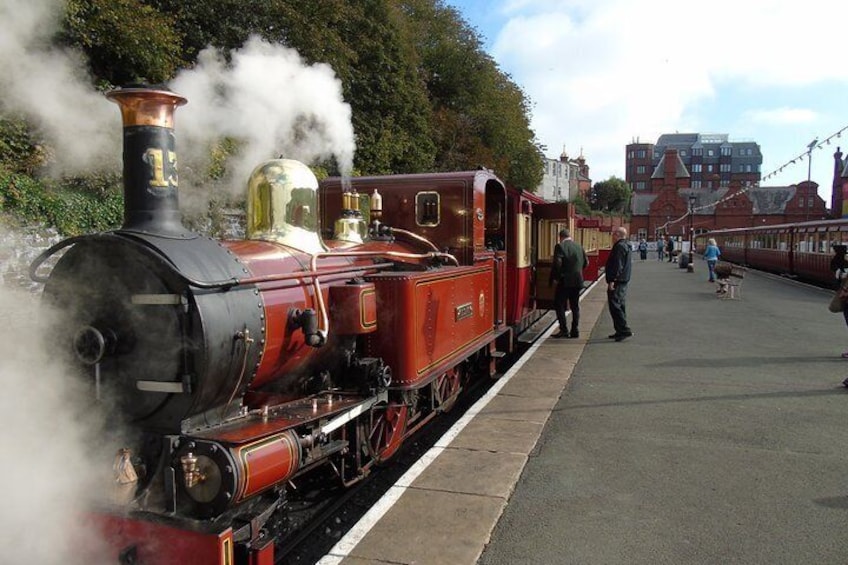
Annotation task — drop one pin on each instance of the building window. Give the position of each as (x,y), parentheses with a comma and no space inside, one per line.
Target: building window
(726,151)
(640,185)
(697,152)
(749,152)
(810,202)
(696,167)
(724,167)
(643,234)
(640,169)
(656,154)
(747,168)
(696,184)
(683,153)
(710,153)
(709,168)
(641,154)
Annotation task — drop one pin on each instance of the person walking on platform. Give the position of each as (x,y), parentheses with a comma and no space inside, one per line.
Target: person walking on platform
(839,266)
(670,248)
(567,271)
(711,255)
(617,277)
(660,248)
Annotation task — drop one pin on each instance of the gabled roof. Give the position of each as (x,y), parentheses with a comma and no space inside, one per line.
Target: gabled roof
(686,139)
(680,170)
(771,199)
(705,198)
(640,204)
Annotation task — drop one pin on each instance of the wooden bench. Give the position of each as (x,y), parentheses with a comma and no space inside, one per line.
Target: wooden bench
(730,281)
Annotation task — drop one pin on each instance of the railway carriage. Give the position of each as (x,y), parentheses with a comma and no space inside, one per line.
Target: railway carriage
(802,250)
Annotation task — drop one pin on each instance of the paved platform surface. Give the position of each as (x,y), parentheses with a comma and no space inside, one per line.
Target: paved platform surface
(717,434)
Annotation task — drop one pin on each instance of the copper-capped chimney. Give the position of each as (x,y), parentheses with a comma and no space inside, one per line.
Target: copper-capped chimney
(151,201)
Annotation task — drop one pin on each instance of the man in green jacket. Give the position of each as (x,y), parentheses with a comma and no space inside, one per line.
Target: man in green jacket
(567,271)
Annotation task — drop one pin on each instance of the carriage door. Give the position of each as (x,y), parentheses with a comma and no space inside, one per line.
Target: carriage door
(496,242)
(548,219)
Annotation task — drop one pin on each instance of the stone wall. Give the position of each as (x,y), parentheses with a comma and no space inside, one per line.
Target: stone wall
(19,246)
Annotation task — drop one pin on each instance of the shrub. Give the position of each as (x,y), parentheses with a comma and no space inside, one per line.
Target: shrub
(74,207)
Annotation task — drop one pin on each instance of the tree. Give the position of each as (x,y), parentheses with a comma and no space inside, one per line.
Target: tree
(581,206)
(480,117)
(124,41)
(611,195)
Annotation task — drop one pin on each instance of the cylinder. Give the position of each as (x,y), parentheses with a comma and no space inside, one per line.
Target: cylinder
(216,476)
(151,202)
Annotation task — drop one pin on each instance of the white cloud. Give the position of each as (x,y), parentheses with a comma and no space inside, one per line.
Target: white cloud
(603,72)
(778,116)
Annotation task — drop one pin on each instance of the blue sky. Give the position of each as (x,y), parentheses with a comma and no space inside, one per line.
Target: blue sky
(603,73)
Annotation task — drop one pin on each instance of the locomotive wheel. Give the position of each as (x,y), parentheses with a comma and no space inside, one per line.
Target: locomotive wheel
(388,426)
(447,388)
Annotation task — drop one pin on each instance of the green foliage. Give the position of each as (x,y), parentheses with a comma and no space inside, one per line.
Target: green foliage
(581,206)
(480,116)
(391,113)
(218,155)
(19,151)
(125,41)
(611,195)
(76,206)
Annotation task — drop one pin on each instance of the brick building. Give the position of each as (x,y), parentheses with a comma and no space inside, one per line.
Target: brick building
(718,178)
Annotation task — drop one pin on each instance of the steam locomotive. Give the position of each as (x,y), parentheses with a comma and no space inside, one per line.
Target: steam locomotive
(340,325)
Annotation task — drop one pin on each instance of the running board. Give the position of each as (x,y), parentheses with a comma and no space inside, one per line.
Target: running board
(539,327)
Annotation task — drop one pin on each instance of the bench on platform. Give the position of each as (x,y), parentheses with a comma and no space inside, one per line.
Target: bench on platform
(729,280)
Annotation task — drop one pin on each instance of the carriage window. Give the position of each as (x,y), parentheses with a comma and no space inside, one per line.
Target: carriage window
(427,208)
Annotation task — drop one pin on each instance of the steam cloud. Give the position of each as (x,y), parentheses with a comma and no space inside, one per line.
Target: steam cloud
(51,88)
(267,98)
(46,439)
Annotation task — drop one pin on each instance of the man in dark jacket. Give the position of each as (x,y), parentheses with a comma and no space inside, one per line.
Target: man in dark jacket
(617,276)
(567,271)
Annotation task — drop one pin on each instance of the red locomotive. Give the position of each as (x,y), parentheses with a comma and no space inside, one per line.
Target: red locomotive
(801,250)
(341,324)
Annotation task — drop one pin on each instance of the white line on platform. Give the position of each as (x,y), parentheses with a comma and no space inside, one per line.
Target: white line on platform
(345,545)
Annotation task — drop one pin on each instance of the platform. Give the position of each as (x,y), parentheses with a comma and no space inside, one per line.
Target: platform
(717,434)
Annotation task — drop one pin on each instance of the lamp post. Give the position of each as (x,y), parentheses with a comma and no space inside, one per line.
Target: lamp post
(692,199)
(810,147)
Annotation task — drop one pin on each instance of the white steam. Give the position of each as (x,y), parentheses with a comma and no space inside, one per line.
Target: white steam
(267,99)
(52,89)
(270,101)
(46,441)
